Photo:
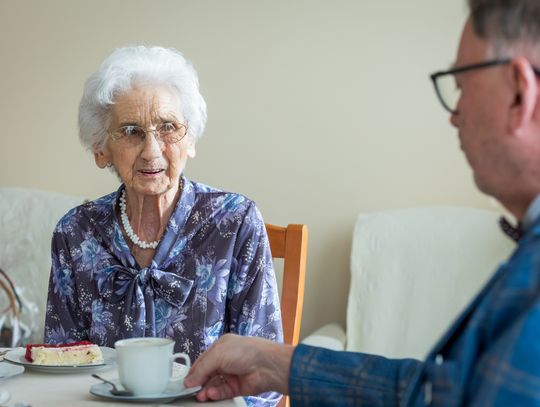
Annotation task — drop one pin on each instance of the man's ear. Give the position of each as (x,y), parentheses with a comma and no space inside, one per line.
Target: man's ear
(101,158)
(526,95)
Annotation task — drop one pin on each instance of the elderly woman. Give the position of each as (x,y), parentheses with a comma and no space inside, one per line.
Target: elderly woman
(162,256)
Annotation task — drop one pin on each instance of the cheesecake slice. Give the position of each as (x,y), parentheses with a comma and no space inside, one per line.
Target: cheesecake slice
(69,354)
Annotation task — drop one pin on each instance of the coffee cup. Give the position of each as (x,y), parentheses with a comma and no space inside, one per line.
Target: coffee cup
(145,364)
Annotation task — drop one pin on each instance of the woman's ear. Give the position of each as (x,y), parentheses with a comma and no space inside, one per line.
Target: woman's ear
(190,147)
(102,159)
(526,95)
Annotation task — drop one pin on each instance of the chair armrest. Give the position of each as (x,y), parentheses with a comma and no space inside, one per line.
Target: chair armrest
(330,336)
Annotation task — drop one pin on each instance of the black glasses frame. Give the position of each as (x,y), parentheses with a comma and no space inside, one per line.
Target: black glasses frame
(465,68)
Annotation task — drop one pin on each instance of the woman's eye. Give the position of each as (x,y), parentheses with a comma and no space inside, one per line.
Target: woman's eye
(132,131)
(167,128)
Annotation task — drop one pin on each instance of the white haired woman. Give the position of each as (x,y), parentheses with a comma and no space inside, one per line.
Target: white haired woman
(162,256)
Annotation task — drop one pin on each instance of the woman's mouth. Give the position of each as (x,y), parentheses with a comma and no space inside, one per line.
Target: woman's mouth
(151,172)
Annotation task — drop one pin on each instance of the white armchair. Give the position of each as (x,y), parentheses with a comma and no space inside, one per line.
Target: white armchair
(412,272)
(27,220)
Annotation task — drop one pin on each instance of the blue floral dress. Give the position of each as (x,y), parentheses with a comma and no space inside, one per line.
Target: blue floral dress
(212,273)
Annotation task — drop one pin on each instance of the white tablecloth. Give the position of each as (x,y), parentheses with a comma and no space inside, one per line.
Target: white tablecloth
(72,390)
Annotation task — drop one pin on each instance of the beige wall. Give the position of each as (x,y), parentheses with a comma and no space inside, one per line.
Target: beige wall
(318,110)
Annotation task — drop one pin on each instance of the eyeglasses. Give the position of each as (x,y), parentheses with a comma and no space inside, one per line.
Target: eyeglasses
(445,84)
(168,133)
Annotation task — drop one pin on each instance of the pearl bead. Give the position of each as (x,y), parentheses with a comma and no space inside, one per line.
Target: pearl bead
(129,230)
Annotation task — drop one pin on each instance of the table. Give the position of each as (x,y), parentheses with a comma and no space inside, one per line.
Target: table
(69,390)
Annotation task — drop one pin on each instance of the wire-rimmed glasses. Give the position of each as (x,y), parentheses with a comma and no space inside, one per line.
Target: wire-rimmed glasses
(167,132)
(445,84)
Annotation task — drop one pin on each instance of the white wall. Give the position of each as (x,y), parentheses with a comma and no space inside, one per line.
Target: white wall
(318,110)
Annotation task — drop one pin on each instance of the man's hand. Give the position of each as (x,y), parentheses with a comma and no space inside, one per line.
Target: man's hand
(241,366)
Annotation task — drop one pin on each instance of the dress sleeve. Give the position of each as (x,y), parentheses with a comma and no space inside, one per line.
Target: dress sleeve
(253,295)
(254,308)
(325,377)
(63,322)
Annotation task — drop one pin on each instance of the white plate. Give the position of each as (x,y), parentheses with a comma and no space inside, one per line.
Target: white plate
(8,370)
(4,396)
(17,356)
(172,392)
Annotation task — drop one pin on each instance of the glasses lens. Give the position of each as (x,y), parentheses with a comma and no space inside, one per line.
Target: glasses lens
(448,91)
(171,132)
(168,133)
(131,135)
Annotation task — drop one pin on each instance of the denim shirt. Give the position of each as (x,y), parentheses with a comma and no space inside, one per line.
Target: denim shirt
(490,356)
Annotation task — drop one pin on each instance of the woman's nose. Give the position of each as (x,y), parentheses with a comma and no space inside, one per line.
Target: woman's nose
(152,146)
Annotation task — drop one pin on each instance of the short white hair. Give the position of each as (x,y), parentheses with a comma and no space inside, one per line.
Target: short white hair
(126,67)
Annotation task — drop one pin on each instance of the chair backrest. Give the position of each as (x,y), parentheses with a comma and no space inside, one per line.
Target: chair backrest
(413,271)
(27,221)
(290,244)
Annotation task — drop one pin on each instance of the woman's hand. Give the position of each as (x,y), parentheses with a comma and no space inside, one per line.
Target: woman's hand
(241,366)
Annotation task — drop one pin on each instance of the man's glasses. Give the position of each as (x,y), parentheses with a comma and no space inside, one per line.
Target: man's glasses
(445,83)
(168,133)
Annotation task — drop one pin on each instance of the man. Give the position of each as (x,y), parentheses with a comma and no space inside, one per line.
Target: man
(491,354)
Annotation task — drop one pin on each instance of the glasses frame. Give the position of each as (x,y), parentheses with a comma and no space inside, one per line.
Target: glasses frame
(114,134)
(466,68)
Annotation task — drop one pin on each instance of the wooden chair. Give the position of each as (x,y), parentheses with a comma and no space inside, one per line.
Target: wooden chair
(290,244)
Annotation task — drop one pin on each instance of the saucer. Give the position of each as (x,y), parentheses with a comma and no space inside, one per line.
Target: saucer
(8,370)
(4,397)
(172,392)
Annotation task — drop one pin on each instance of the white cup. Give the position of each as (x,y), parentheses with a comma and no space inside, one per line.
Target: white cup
(145,364)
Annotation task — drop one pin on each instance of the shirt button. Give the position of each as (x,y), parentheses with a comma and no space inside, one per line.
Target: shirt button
(439,359)
(427,393)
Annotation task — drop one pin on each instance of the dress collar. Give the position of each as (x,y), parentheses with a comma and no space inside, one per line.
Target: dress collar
(172,237)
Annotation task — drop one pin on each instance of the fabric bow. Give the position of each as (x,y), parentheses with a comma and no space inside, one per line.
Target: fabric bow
(118,282)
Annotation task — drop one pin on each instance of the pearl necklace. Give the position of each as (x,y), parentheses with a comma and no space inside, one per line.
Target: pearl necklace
(129,230)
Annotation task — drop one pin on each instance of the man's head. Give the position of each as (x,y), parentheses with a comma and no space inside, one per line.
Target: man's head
(498,110)
(510,26)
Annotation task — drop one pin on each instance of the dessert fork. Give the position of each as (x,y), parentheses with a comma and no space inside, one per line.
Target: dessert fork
(114,391)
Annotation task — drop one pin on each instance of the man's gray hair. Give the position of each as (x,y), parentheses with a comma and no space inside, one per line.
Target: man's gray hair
(506,24)
(126,67)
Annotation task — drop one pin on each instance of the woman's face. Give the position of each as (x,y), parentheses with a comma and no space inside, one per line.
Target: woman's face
(151,167)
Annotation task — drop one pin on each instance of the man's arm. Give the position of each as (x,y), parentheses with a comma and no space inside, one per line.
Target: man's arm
(240,366)
(325,377)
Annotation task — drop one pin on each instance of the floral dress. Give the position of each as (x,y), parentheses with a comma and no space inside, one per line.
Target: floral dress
(212,273)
